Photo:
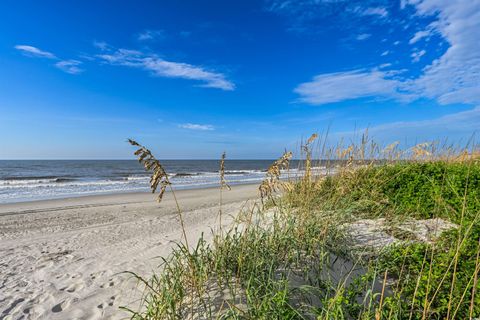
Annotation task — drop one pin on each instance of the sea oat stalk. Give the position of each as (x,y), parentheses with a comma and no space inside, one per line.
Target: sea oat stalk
(308,156)
(158,178)
(272,183)
(223,185)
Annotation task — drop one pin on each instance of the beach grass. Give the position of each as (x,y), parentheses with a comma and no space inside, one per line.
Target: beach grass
(291,256)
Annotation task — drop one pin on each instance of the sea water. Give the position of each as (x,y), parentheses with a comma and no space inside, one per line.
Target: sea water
(26,180)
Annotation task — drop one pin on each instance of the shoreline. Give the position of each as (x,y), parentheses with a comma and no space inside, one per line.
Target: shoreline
(9,208)
(65,258)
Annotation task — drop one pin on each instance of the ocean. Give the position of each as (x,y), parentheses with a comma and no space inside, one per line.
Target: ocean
(27,180)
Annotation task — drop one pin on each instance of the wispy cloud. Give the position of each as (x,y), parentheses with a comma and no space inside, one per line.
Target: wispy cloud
(151,35)
(69,66)
(451,78)
(460,124)
(363,36)
(163,68)
(317,8)
(454,77)
(374,11)
(195,126)
(35,52)
(420,35)
(303,15)
(102,45)
(339,86)
(417,55)
(136,59)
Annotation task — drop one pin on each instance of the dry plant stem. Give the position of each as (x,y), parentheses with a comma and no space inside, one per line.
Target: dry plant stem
(472,279)
(457,253)
(308,157)
(371,291)
(417,285)
(159,177)
(308,165)
(397,287)
(475,280)
(223,184)
(220,211)
(272,183)
(464,205)
(426,305)
(430,270)
(379,311)
(343,282)
(180,217)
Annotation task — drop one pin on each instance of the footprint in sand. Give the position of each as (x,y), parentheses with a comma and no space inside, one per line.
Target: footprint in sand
(94,275)
(109,303)
(62,305)
(73,287)
(110,284)
(76,275)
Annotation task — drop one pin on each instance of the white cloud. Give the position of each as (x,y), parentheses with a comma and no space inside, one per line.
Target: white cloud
(363,36)
(378,11)
(69,66)
(456,127)
(150,35)
(452,78)
(194,126)
(335,87)
(303,15)
(35,52)
(417,55)
(396,43)
(384,53)
(102,45)
(420,35)
(163,68)
(464,122)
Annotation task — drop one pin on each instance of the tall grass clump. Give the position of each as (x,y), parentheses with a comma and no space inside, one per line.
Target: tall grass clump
(292,256)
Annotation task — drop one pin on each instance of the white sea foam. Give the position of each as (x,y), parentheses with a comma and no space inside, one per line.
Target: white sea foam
(24,188)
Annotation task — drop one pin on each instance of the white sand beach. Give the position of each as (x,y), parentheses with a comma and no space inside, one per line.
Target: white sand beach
(64,259)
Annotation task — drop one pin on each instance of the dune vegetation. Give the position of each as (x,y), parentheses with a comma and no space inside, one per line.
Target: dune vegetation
(379,233)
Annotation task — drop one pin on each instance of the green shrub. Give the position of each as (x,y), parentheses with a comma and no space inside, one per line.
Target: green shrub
(420,190)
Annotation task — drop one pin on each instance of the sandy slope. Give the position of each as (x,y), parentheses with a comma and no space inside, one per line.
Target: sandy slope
(63,259)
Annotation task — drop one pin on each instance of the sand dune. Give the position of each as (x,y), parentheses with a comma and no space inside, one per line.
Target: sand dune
(64,259)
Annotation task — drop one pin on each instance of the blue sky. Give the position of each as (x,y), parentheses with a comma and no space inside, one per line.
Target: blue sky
(195,78)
